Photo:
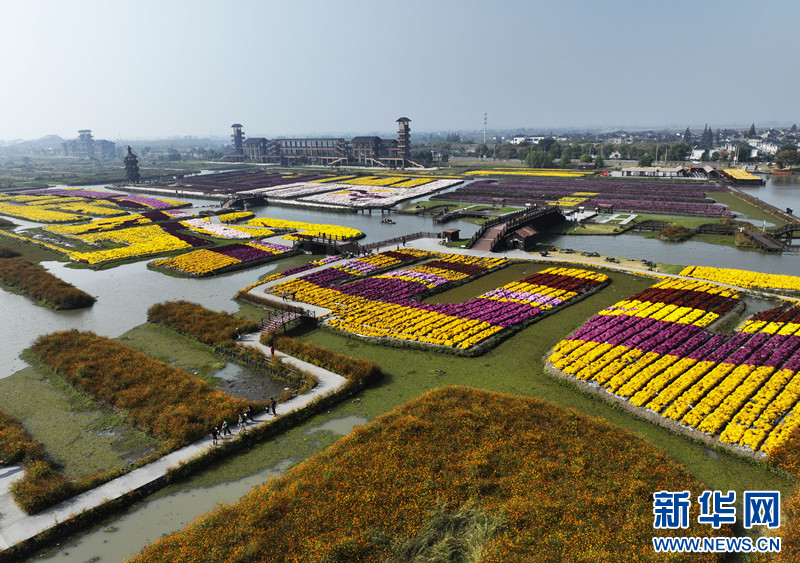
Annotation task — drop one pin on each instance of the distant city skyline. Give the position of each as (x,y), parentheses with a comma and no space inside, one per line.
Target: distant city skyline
(152,70)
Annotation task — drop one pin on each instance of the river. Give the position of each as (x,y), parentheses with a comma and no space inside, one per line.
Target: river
(124,294)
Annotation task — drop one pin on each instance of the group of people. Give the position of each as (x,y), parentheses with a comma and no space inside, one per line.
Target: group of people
(288,295)
(223,430)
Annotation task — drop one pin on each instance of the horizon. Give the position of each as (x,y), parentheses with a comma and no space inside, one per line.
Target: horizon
(148,70)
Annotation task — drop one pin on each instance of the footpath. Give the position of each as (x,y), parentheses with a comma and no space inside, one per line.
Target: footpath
(17,526)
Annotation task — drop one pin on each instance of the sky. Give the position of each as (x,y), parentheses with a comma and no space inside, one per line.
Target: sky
(154,68)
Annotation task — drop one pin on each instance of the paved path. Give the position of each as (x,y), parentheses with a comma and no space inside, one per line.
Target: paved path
(16,526)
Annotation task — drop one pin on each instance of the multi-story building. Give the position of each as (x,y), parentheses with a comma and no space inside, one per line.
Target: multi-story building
(366,151)
(85,146)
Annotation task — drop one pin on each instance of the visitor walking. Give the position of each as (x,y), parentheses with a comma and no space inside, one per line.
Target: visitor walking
(225,430)
(273,403)
(214,435)
(271,349)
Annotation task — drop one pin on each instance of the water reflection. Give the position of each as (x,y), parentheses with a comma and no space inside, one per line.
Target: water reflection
(131,532)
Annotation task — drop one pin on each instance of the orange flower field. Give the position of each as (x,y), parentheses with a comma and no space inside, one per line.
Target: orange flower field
(559,485)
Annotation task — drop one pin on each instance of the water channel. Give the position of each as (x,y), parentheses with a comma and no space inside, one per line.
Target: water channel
(124,294)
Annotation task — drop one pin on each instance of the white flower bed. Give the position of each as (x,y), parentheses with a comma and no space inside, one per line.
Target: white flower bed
(217,230)
(377,196)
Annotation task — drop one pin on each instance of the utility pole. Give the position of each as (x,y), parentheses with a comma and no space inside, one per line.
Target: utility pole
(484,128)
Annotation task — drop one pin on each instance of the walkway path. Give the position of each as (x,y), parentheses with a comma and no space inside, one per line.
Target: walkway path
(16,526)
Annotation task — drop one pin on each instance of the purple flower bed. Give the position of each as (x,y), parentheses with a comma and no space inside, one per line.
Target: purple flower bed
(242,252)
(650,197)
(174,228)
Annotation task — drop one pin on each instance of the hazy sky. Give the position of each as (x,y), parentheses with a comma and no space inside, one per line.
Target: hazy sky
(156,68)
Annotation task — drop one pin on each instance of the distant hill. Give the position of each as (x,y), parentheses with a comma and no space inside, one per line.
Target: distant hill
(47,145)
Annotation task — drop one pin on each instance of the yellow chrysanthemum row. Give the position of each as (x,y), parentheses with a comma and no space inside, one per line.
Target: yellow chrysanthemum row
(743,278)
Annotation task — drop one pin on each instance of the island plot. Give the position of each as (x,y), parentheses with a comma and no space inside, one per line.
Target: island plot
(373,298)
(656,351)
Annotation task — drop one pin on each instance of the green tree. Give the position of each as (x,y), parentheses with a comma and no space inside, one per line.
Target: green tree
(787,156)
(645,160)
(539,159)
(677,151)
(585,157)
(599,162)
(752,133)
(607,150)
(566,156)
(687,136)
(482,151)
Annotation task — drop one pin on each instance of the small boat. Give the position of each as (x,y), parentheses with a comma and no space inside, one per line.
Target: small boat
(781,171)
(387,221)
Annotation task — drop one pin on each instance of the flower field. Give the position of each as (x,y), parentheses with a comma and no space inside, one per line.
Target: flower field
(742,278)
(363,194)
(121,200)
(210,327)
(642,197)
(166,401)
(135,242)
(40,284)
(387,305)
(216,230)
(307,229)
(548,478)
(656,351)
(551,172)
(15,444)
(357,191)
(220,259)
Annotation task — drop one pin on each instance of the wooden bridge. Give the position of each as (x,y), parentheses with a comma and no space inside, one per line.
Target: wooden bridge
(281,319)
(242,201)
(492,233)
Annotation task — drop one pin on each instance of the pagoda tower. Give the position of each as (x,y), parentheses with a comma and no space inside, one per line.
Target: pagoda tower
(237,138)
(404,138)
(131,167)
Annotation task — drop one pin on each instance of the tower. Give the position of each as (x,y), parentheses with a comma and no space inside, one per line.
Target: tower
(404,138)
(131,167)
(238,138)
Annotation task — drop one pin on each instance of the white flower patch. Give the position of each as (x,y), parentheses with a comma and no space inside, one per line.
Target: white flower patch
(217,230)
(377,196)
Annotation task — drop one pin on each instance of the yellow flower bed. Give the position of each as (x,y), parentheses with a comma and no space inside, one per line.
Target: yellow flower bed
(138,241)
(198,262)
(76,231)
(236,216)
(39,215)
(739,174)
(89,209)
(311,229)
(412,183)
(375,180)
(742,278)
(333,179)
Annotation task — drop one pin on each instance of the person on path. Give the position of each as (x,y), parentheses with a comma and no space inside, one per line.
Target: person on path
(283,295)
(240,424)
(250,413)
(225,430)
(271,349)
(273,403)
(214,435)
(404,241)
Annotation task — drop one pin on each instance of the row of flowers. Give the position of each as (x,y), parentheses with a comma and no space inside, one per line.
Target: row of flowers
(39,214)
(217,230)
(374,196)
(123,200)
(205,262)
(307,229)
(388,306)
(743,278)
(110,224)
(659,357)
(526,459)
